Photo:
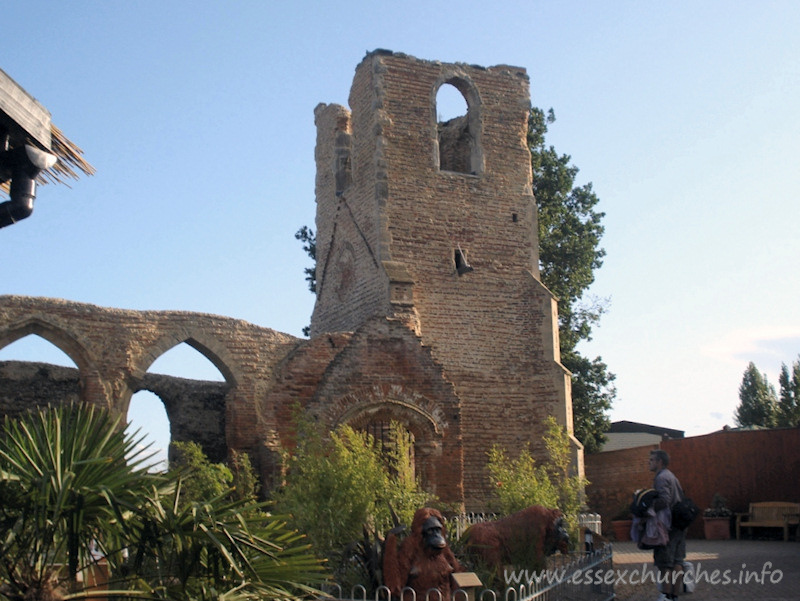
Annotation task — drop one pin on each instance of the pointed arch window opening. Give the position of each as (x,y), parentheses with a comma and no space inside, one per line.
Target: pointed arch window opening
(33,348)
(456,129)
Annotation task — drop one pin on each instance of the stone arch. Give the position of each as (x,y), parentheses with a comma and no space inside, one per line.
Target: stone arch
(55,335)
(197,411)
(420,416)
(211,348)
(458,143)
(61,339)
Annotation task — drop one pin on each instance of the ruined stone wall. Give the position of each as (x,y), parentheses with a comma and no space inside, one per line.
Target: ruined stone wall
(113,348)
(463,358)
(29,385)
(195,409)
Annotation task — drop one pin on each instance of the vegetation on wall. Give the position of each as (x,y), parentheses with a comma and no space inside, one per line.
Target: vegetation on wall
(338,484)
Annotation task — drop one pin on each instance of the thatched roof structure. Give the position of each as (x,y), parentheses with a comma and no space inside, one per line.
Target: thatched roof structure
(70,159)
(23,120)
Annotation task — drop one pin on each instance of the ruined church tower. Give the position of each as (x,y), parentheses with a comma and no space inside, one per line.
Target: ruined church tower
(434,226)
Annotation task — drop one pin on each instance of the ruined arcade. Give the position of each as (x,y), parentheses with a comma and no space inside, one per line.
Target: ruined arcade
(429,308)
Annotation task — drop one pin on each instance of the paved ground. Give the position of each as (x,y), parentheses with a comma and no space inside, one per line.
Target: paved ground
(730,569)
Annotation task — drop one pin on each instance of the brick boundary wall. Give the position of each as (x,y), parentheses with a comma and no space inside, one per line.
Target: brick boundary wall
(742,466)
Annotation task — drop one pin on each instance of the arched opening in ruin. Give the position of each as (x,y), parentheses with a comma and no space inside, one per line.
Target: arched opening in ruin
(146,413)
(423,439)
(181,397)
(457,127)
(34,348)
(450,103)
(184,361)
(35,372)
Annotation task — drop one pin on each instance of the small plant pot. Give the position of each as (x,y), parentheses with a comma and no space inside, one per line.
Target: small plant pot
(717,528)
(621,529)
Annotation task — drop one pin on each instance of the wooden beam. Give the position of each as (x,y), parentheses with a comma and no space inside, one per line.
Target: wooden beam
(22,113)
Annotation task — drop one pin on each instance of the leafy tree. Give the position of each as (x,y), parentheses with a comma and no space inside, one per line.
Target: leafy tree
(309,239)
(521,482)
(204,480)
(757,400)
(788,414)
(570,229)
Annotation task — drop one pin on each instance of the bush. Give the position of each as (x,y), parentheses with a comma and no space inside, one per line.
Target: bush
(335,487)
(519,483)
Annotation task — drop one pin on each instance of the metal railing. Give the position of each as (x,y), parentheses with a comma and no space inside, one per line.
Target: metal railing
(588,577)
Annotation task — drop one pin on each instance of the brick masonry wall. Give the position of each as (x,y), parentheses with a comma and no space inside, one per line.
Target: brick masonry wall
(492,330)
(742,466)
(113,348)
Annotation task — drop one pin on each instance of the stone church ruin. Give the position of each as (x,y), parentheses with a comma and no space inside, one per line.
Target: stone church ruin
(429,311)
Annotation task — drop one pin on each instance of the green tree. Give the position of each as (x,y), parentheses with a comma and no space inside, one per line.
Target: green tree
(570,229)
(757,400)
(202,479)
(309,239)
(788,414)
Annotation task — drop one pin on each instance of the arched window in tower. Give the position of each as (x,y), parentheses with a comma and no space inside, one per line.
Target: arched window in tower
(454,125)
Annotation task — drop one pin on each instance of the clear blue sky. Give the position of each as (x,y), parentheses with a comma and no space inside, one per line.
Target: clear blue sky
(199,119)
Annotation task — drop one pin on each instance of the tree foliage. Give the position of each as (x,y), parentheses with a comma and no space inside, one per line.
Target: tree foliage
(570,230)
(309,239)
(336,485)
(788,413)
(757,400)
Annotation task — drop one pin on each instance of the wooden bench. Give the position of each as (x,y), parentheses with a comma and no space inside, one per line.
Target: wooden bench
(769,514)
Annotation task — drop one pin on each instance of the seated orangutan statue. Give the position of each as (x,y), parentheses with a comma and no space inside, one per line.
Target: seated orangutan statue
(423,562)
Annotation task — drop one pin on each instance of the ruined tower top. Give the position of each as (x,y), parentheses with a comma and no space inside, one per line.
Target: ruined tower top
(415,216)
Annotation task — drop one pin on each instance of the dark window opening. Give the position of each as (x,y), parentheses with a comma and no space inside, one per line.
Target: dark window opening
(462,266)
(455,139)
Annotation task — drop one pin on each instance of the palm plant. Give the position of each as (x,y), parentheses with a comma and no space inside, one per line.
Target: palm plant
(219,548)
(64,473)
(72,480)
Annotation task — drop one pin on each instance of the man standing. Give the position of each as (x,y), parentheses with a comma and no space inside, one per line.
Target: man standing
(669,558)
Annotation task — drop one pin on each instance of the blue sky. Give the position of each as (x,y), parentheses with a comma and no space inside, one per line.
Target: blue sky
(198,116)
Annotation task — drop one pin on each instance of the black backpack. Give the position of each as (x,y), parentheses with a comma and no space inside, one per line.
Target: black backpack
(643,500)
(684,513)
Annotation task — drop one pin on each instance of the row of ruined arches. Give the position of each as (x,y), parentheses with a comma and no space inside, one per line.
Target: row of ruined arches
(146,410)
(158,412)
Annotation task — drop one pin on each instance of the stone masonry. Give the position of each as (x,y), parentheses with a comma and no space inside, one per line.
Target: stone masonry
(429,310)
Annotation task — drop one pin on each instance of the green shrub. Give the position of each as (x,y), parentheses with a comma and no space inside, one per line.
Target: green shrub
(336,486)
(519,482)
